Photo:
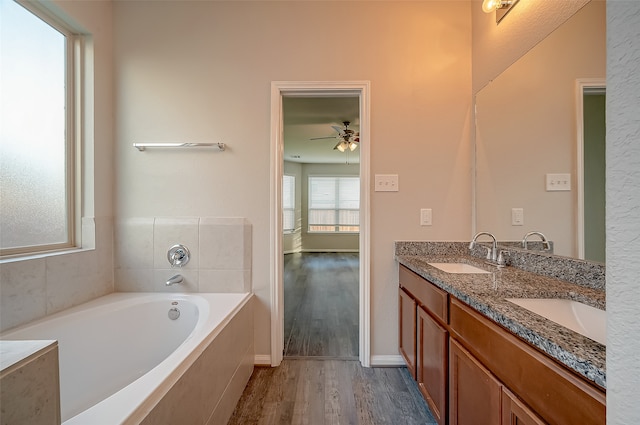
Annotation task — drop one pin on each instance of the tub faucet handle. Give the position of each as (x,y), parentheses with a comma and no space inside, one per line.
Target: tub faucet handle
(178,255)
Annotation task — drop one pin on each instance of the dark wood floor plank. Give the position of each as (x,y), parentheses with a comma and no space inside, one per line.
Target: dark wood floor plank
(309,408)
(324,392)
(319,383)
(321,305)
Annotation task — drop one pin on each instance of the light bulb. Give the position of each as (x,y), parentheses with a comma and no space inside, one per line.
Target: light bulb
(489,6)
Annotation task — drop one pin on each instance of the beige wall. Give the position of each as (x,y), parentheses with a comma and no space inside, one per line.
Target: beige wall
(201,71)
(526,127)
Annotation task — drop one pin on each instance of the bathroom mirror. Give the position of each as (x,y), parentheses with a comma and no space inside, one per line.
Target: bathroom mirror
(527,130)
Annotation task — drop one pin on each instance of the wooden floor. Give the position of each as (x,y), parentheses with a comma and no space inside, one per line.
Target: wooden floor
(321,380)
(321,309)
(310,392)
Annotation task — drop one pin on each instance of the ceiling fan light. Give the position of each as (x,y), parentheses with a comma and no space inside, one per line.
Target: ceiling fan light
(340,146)
(352,146)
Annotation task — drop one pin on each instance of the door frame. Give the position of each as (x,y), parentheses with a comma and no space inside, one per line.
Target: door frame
(582,85)
(279,89)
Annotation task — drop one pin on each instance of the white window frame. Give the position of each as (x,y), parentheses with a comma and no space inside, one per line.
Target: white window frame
(74,128)
(337,210)
(289,209)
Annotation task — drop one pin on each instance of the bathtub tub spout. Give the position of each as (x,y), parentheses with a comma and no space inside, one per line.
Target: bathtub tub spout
(174,280)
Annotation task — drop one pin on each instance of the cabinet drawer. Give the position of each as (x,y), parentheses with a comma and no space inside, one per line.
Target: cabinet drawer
(432,298)
(558,395)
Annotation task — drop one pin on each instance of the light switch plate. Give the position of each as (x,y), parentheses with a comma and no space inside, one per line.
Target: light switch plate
(386,183)
(558,182)
(425,217)
(517,216)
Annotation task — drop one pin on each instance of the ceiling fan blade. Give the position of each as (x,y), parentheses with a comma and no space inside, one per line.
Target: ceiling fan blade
(338,129)
(319,138)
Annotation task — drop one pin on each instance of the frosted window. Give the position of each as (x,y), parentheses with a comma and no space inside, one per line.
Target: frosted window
(334,204)
(33,169)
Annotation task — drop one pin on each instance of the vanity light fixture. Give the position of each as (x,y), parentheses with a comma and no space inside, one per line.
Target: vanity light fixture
(502,7)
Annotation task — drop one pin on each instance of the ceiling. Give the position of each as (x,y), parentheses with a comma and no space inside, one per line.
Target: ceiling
(309,117)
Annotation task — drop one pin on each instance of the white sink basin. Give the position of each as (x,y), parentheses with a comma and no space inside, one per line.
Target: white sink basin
(584,319)
(457,268)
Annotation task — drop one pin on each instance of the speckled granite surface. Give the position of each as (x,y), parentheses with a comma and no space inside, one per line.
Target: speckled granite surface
(486,293)
(584,273)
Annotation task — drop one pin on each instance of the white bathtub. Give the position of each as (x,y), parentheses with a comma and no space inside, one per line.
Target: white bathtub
(121,356)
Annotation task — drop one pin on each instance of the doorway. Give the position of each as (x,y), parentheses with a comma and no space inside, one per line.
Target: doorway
(320,215)
(280,90)
(591,169)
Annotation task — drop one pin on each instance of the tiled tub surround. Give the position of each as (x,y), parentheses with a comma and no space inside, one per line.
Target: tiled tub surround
(486,293)
(220,254)
(40,285)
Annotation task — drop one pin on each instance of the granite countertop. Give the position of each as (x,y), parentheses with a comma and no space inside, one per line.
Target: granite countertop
(486,293)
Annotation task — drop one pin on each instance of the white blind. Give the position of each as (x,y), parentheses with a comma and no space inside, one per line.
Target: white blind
(334,204)
(288,203)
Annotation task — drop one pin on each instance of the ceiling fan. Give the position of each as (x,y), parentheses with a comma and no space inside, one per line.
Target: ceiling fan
(348,138)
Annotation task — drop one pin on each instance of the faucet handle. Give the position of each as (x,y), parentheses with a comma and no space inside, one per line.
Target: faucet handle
(178,255)
(501,260)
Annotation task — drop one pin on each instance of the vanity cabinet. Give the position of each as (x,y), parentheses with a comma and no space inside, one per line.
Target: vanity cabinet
(514,412)
(475,392)
(432,363)
(556,394)
(407,333)
(431,339)
(479,398)
(472,371)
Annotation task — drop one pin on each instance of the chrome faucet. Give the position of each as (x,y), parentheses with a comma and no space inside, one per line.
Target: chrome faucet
(174,280)
(492,253)
(178,255)
(545,242)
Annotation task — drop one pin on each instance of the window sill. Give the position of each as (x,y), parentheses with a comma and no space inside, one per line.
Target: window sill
(36,256)
(333,233)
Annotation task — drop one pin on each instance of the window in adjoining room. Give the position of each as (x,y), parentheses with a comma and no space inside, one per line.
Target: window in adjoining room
(334,204)
(37,142)
(288,204)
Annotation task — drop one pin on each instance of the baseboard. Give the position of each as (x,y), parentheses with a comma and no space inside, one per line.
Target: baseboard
(262,360)
(376,361)
(330,250)
(395,360)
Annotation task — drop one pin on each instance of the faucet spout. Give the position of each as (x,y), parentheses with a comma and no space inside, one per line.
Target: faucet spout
(545,242)
(174,280)
(492,253)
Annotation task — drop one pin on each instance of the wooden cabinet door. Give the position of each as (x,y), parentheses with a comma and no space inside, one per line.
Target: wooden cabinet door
(474,392)
(515,412)
(432,364)
(407,331)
